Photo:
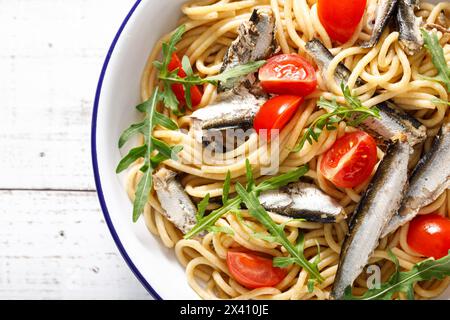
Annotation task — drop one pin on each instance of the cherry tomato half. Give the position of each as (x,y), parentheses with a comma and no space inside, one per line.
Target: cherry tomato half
(340,18)
(276,113)
(288,74)
(178,89)
(429,235)
(253,271)
(351,160)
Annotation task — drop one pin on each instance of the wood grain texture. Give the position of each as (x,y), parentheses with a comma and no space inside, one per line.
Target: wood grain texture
(54,244)
(51,55)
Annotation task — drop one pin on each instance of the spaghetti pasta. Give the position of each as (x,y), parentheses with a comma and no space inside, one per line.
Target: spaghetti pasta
(388,72)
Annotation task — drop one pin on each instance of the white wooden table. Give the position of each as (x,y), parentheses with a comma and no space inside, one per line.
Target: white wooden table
(54,243)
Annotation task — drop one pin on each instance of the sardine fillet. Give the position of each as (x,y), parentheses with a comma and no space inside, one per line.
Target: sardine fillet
(409,26)
(177,205)
(428,181)
(303,201)
(395,122)
(384,12)
(380,202)
(256,41)
(323,57)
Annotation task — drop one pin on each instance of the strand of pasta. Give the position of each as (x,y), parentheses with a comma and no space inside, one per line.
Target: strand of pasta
(389,74)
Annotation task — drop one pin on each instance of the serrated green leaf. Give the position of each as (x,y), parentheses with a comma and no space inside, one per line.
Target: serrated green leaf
(212,218)
(249,174)
(437,57)
(201,207)
(217,229)
(142,193)
(186,64)
(170,100)
(164,121)
(404,281)
(353,112)
(258,212)
(146,151)
(311,284)
(232,74)
(283,262)
(265,237)
(163,148)
(170,47)
(131,157)
(131,131)
(283,180)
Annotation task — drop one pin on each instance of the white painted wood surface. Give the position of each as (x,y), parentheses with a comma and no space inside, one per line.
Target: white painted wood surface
(54,243)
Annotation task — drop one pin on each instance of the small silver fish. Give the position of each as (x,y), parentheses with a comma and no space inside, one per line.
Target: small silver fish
(428,181)
(380,202)
(234,112)
(394,122)
(323,57)
(303,201)
(178,206)
(239,99)
(410,37)
(383,15)
(256,41)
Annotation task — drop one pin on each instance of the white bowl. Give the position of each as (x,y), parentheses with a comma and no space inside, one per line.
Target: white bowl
(117,94)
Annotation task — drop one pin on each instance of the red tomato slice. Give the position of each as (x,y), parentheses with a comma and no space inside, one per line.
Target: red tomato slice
(288,74)
(253,271)
(340,18)
(178,89)
(351,160)
(276,113)
(429,235)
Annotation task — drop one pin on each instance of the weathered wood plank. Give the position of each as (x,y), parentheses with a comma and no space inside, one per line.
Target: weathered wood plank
(51,54)
(55,245)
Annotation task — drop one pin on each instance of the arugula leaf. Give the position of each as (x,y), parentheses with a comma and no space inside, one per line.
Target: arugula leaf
(282,180)
(265,237)
(249,174)
(438,58)
(142,193)
(168,78)
(147,151)
(164,149)
(217,229)
(284,262)
(130,132)
(236,72)
(257,211)
(234,204)
(131,157)
(353,112)
(186,64)
(201,207)
(211,219)
(232,73)
(168,49)
(164,121)
(405,281)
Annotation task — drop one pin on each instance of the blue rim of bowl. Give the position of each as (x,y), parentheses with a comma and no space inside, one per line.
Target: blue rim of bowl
(98,183)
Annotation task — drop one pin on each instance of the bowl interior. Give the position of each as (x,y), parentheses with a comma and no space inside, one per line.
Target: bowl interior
(155,266)
(119,95)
